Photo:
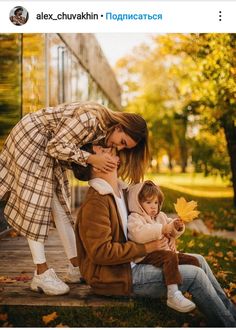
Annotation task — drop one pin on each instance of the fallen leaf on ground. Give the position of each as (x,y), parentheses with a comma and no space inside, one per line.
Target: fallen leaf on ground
(211,253)
(187,295)
(219,254)
(230,254)
(232,287)
(3,316)
(221,274)
(49,318)
(61,325)
(5,279)
(185,325)
(14,233)
(226,291)
(12,279)
(213,260)
(191,244)
(7,325)
(22,278)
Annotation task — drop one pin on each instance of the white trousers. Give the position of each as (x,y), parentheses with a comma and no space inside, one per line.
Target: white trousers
(65,231)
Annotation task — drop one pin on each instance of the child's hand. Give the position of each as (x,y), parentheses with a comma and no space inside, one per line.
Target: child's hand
(167,229)
(178,224)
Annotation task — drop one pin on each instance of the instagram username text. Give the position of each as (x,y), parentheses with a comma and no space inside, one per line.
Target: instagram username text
(94,16)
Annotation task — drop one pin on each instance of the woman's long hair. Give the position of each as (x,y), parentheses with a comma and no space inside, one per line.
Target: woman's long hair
(133,161)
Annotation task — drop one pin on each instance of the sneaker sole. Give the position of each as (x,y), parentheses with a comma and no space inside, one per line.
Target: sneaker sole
(48,292)
(186,310)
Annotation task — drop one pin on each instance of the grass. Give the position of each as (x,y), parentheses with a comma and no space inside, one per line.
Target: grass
(144,313)
(195,184)
(213,195)
(221,255)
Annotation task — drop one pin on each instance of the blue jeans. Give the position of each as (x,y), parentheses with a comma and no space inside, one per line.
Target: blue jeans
(200,282)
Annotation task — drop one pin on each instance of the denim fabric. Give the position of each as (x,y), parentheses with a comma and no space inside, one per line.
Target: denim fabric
(200,282)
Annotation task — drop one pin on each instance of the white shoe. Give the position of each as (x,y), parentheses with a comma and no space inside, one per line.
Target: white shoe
(180,303)
(49,283)
(73,274)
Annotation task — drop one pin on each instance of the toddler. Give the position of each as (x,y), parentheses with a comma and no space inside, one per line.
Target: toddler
(147,223)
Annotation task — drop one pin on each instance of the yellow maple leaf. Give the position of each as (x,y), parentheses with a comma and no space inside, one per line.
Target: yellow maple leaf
(49,318)
(186,210)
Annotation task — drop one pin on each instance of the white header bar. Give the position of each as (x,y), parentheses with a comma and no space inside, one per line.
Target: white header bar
(120,16)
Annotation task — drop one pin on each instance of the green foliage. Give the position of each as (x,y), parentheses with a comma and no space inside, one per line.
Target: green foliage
(190,81)
(210,156)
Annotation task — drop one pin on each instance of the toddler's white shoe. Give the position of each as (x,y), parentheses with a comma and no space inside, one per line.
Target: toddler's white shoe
(180,303)
(49,283)
(73,275)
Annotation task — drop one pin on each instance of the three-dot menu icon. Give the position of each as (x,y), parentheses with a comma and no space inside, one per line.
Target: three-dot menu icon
(220,15)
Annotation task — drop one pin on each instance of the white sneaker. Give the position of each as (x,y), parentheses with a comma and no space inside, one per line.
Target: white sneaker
(49,283)
(180,303)
(73,275)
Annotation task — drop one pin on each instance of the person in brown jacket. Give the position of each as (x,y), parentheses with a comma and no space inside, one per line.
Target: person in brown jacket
(106,256)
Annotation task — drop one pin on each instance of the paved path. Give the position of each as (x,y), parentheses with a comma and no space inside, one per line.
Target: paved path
(199,226)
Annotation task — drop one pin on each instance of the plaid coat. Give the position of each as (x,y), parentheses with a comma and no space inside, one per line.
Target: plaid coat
(34,159)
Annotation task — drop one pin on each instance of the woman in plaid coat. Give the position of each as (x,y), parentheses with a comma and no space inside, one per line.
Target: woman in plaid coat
(33,166)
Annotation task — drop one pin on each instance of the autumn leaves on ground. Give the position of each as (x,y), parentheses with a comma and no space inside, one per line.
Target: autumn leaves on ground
(221,255)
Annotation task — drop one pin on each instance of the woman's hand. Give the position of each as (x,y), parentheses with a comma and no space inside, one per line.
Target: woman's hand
(103,162)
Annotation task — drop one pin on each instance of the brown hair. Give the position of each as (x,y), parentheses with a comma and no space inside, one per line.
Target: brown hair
(150,190)
(133,161)
(83,173)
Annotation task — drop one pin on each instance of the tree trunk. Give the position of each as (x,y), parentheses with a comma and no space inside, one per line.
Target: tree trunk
(170,165)
(183,145)
(230,134)
(183,155)
(206,171)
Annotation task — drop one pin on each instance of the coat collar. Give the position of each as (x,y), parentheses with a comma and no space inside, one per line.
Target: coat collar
(104,188)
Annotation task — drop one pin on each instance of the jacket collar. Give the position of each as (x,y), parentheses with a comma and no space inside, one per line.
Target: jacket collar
(104,188)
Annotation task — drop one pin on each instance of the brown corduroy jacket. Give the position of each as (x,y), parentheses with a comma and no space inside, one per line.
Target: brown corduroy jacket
(103,251)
